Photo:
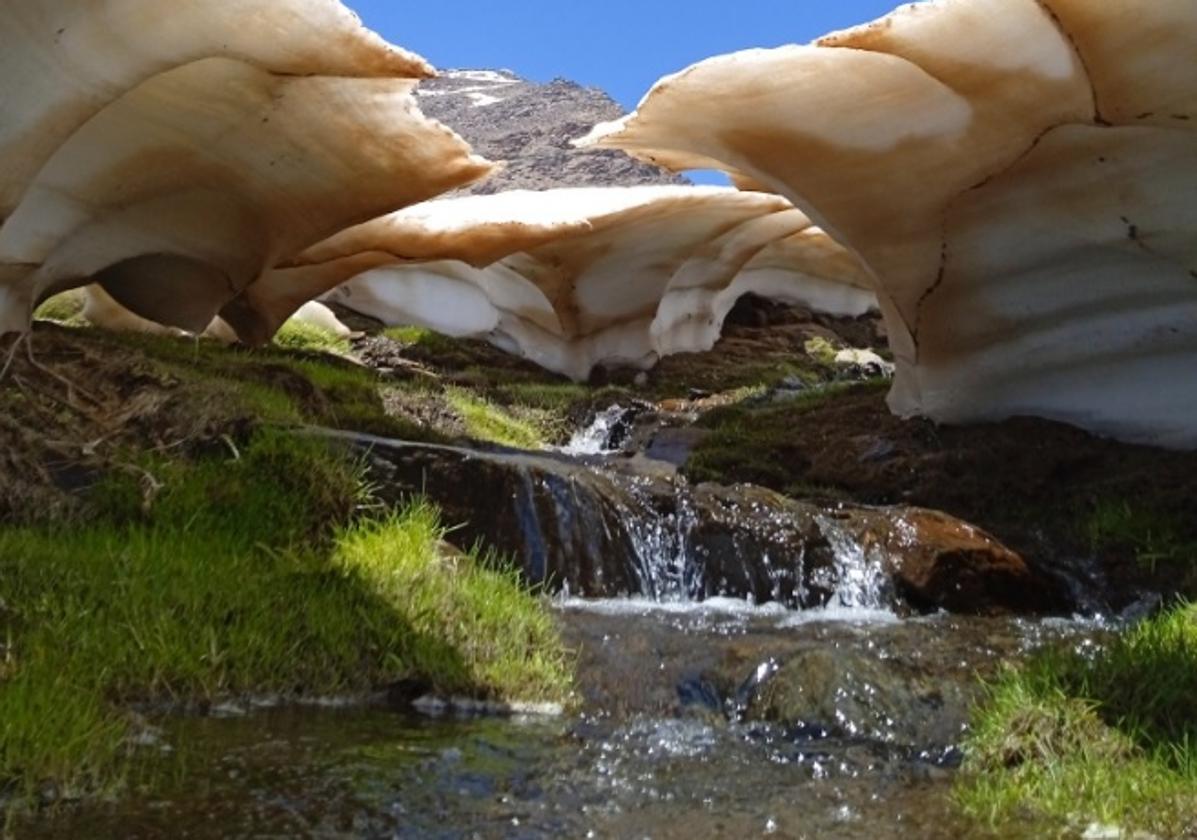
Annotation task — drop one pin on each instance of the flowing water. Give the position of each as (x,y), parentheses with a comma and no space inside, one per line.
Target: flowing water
(701,716)
(670,743)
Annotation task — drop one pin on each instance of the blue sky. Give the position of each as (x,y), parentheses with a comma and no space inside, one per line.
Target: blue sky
(622,46)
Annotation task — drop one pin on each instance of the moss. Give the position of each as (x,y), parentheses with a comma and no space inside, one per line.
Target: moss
(237,574)
(443,352)
(300,335)
(556,397)
(1082,736)
(275,385)
(66,308)
(754,443)
(486,421)
(679,376)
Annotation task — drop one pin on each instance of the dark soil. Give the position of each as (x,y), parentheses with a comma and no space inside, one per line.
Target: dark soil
(1035,484)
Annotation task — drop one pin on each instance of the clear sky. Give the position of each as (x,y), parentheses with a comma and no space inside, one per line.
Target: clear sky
(622,46)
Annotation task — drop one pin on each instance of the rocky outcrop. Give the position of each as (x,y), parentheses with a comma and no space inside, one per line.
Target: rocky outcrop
(529,128)
(174,158)
(635,528)
(1016,174)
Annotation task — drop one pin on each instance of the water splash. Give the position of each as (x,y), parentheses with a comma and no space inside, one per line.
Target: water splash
(664,545)
(603,436)
(857,577)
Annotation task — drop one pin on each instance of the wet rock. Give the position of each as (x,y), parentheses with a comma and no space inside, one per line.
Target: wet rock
(673,445)
(857,365)
(751,542)
(563,523)
(634,527)
(850,694)
(937,561)
(790,388)
(875,450)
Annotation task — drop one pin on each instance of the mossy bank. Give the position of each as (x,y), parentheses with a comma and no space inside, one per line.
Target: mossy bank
(168,541)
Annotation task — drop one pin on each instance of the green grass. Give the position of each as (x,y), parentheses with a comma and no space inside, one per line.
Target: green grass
(555,397)
(274,385)
(241,575)
(486,421)
(1158,539)
(300,335)
(440,351)
(754,443)
(412,335)
(822,351)
(1108,737)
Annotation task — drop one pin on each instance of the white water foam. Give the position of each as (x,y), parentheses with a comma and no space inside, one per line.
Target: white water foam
(593,439)
(717,607)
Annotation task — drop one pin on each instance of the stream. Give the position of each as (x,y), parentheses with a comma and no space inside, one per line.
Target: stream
(735,681)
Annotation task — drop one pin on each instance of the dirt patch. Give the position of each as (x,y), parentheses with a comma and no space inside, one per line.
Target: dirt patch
(762,344)
(427,409)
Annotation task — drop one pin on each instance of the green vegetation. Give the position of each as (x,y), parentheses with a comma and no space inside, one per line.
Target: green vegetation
(233,574)
(1082,736)
(300,335)
(66,308)
(271,385)
(754,443)
(420,335)
(556,397)
(821,350)
(443,352)
(486,421)
(1159,539)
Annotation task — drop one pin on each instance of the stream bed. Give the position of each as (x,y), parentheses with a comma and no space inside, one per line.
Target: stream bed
(716,720)
(747,665)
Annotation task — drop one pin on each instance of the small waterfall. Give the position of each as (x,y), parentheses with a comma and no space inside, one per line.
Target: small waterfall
(691,544)
(663,544)
(630,527)
(857,577)
(604,435)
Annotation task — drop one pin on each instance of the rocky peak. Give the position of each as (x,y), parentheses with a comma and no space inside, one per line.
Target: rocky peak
(530,126)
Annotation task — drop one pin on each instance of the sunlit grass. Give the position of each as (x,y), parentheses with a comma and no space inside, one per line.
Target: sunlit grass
(486,421)
(300,335)
(242,576)
(1107,737)
(66,308)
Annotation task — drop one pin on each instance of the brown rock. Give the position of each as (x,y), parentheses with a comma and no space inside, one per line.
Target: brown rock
(938,561)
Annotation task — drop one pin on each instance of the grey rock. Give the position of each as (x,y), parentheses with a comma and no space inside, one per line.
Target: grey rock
(530,126)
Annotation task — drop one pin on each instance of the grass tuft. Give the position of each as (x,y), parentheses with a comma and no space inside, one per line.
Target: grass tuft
(487,421)
(1082,736)
(300,335)
(66,308)
(1157,538)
